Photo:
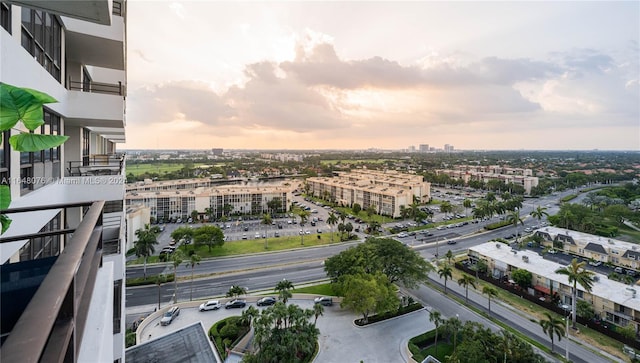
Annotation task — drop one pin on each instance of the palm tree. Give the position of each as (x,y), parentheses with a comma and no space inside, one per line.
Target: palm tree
(283,288)
(467,204)
(446,273)
(304,216)
(332,220)
(160,279)
(144,245)
(248,315)
(539,213)
(465,281)
(453,326)
(577,274)
(193,261)
(235,291)
(318,310)
(176,260)
(446,207)
(490,291)
(449,256)
(514,218)
(552,325)
(436,318)
(266,220)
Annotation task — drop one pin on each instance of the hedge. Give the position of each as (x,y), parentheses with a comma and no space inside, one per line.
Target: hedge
(150,280)
(390,314)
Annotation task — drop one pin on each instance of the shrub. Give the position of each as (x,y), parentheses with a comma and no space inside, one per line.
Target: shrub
(496,225)
(150,280)
(390,314)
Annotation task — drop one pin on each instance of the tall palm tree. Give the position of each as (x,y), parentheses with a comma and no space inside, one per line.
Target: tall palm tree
(552,325)
(453,326)
(147,238)
(514,218)
(449,256)
(539,213)
(436,318)
(446,207)
(160,279)
(577,274)
(465,281)
(193,261)
(266,220)
(283,288)
(467,204)
(176,260)
(235,291)
(332,220)
(490,291)
(318,310)
(445,272)
(304,216)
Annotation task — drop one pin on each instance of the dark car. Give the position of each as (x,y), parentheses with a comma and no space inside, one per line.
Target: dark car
(235,304)
(266,301)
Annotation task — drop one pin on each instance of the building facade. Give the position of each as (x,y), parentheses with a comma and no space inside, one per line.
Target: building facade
(484,174)
(67,306)
(385,191)
(612,301)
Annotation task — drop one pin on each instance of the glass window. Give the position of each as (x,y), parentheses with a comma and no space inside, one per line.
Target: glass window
(41,34)
(5,16)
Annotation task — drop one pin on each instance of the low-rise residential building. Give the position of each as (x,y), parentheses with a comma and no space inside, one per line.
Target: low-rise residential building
(597,248)
(386,191)
(515,176)
(218,201)
(612,301)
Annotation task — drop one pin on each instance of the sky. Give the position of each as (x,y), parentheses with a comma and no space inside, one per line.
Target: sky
(388,75)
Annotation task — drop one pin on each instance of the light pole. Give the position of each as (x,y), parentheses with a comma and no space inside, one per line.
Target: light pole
(566,334)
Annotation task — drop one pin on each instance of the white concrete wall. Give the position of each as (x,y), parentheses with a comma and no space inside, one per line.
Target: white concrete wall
(97,340)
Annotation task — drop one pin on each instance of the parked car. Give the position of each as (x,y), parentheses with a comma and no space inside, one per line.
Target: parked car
(323,300)
(168,316)
(266,301)
(618,270)
(210,305)
(402,234)
(595,263)
(237,303)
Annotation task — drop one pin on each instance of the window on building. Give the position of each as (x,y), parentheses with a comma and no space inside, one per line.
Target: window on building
(5,16)
(117,305)
(41,37)
(29,161)
(86,146)
(41,247)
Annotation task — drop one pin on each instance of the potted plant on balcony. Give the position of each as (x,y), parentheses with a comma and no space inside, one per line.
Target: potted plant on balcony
(23,105)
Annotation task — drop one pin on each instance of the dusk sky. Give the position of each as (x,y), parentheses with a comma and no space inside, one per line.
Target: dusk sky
(358,75)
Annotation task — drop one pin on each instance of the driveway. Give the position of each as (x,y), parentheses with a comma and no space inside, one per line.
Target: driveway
(340,340)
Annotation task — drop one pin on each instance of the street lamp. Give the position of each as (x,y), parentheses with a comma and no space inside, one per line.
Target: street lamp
(566,334)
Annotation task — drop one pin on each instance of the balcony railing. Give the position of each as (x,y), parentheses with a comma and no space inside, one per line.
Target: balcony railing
(51,326)
(98,164)
(118,8)
(97,87)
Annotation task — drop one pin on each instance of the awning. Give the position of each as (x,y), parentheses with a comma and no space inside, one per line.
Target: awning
(543,289)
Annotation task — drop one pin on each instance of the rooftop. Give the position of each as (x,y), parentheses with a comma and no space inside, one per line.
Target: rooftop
(187,345)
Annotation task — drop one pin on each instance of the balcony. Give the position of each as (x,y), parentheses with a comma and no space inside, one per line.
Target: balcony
(45,302)
(95,44)
(95,109)
(100,164)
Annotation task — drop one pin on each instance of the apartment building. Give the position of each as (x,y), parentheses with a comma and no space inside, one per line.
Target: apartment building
(386,191)
(484,174)
(62,258)
(612,301)
(596,248)
(221,200)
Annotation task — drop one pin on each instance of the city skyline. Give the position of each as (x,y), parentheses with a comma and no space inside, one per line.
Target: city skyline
(493,76)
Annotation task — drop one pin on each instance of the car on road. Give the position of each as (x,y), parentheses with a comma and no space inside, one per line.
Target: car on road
(210,305)
(403,234)
(266,301)
(595,263)
(323,300)
(168,316)
(237,303)
(452,242)
(257,235)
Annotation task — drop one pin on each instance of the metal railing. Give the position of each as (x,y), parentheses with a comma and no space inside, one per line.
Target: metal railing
(117,8)
(97,87)
(51,327)
(97,164)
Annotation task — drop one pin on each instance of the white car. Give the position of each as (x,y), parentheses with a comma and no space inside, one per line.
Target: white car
(402,234)
(210,305)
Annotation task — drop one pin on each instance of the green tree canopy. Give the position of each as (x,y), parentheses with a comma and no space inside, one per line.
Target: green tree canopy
(522,277)
(368,294)
(208,235)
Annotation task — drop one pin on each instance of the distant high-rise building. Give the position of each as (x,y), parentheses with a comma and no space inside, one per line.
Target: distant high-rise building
(412,149)
(423,148)
(448,148)
(216,151)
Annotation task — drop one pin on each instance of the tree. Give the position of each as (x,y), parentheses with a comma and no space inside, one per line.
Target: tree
(318,310)
(436,318)
(194,215)
(367,294)
(467,203)
(147,238)
(453,325)
(176,260)
(284,288)
(577,274)
(304,216)
(235,291)
(465,281)
(356,208)
(514,218)
(373,227)
(266,220)
(385,255)
(371,210)
(449,256)
(490,291)
(274,205)
(445,272)
(194,260)
(585,310)
(522,277)
(446,207)
(331,221)
(539,213)
(248,315)
(182,233)
(404,212)
(552,325)
(208,235)
(226,209)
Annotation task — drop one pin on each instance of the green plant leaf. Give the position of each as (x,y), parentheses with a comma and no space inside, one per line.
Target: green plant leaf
(41,97)
(5,196)
(35,142)
(20,104)
(6,222)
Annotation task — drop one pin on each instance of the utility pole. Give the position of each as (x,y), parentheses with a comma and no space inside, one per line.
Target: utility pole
(566,334)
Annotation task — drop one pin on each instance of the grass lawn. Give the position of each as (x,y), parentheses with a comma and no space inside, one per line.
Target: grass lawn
(242,247)
(322,289)
(444,349)
(160,168)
